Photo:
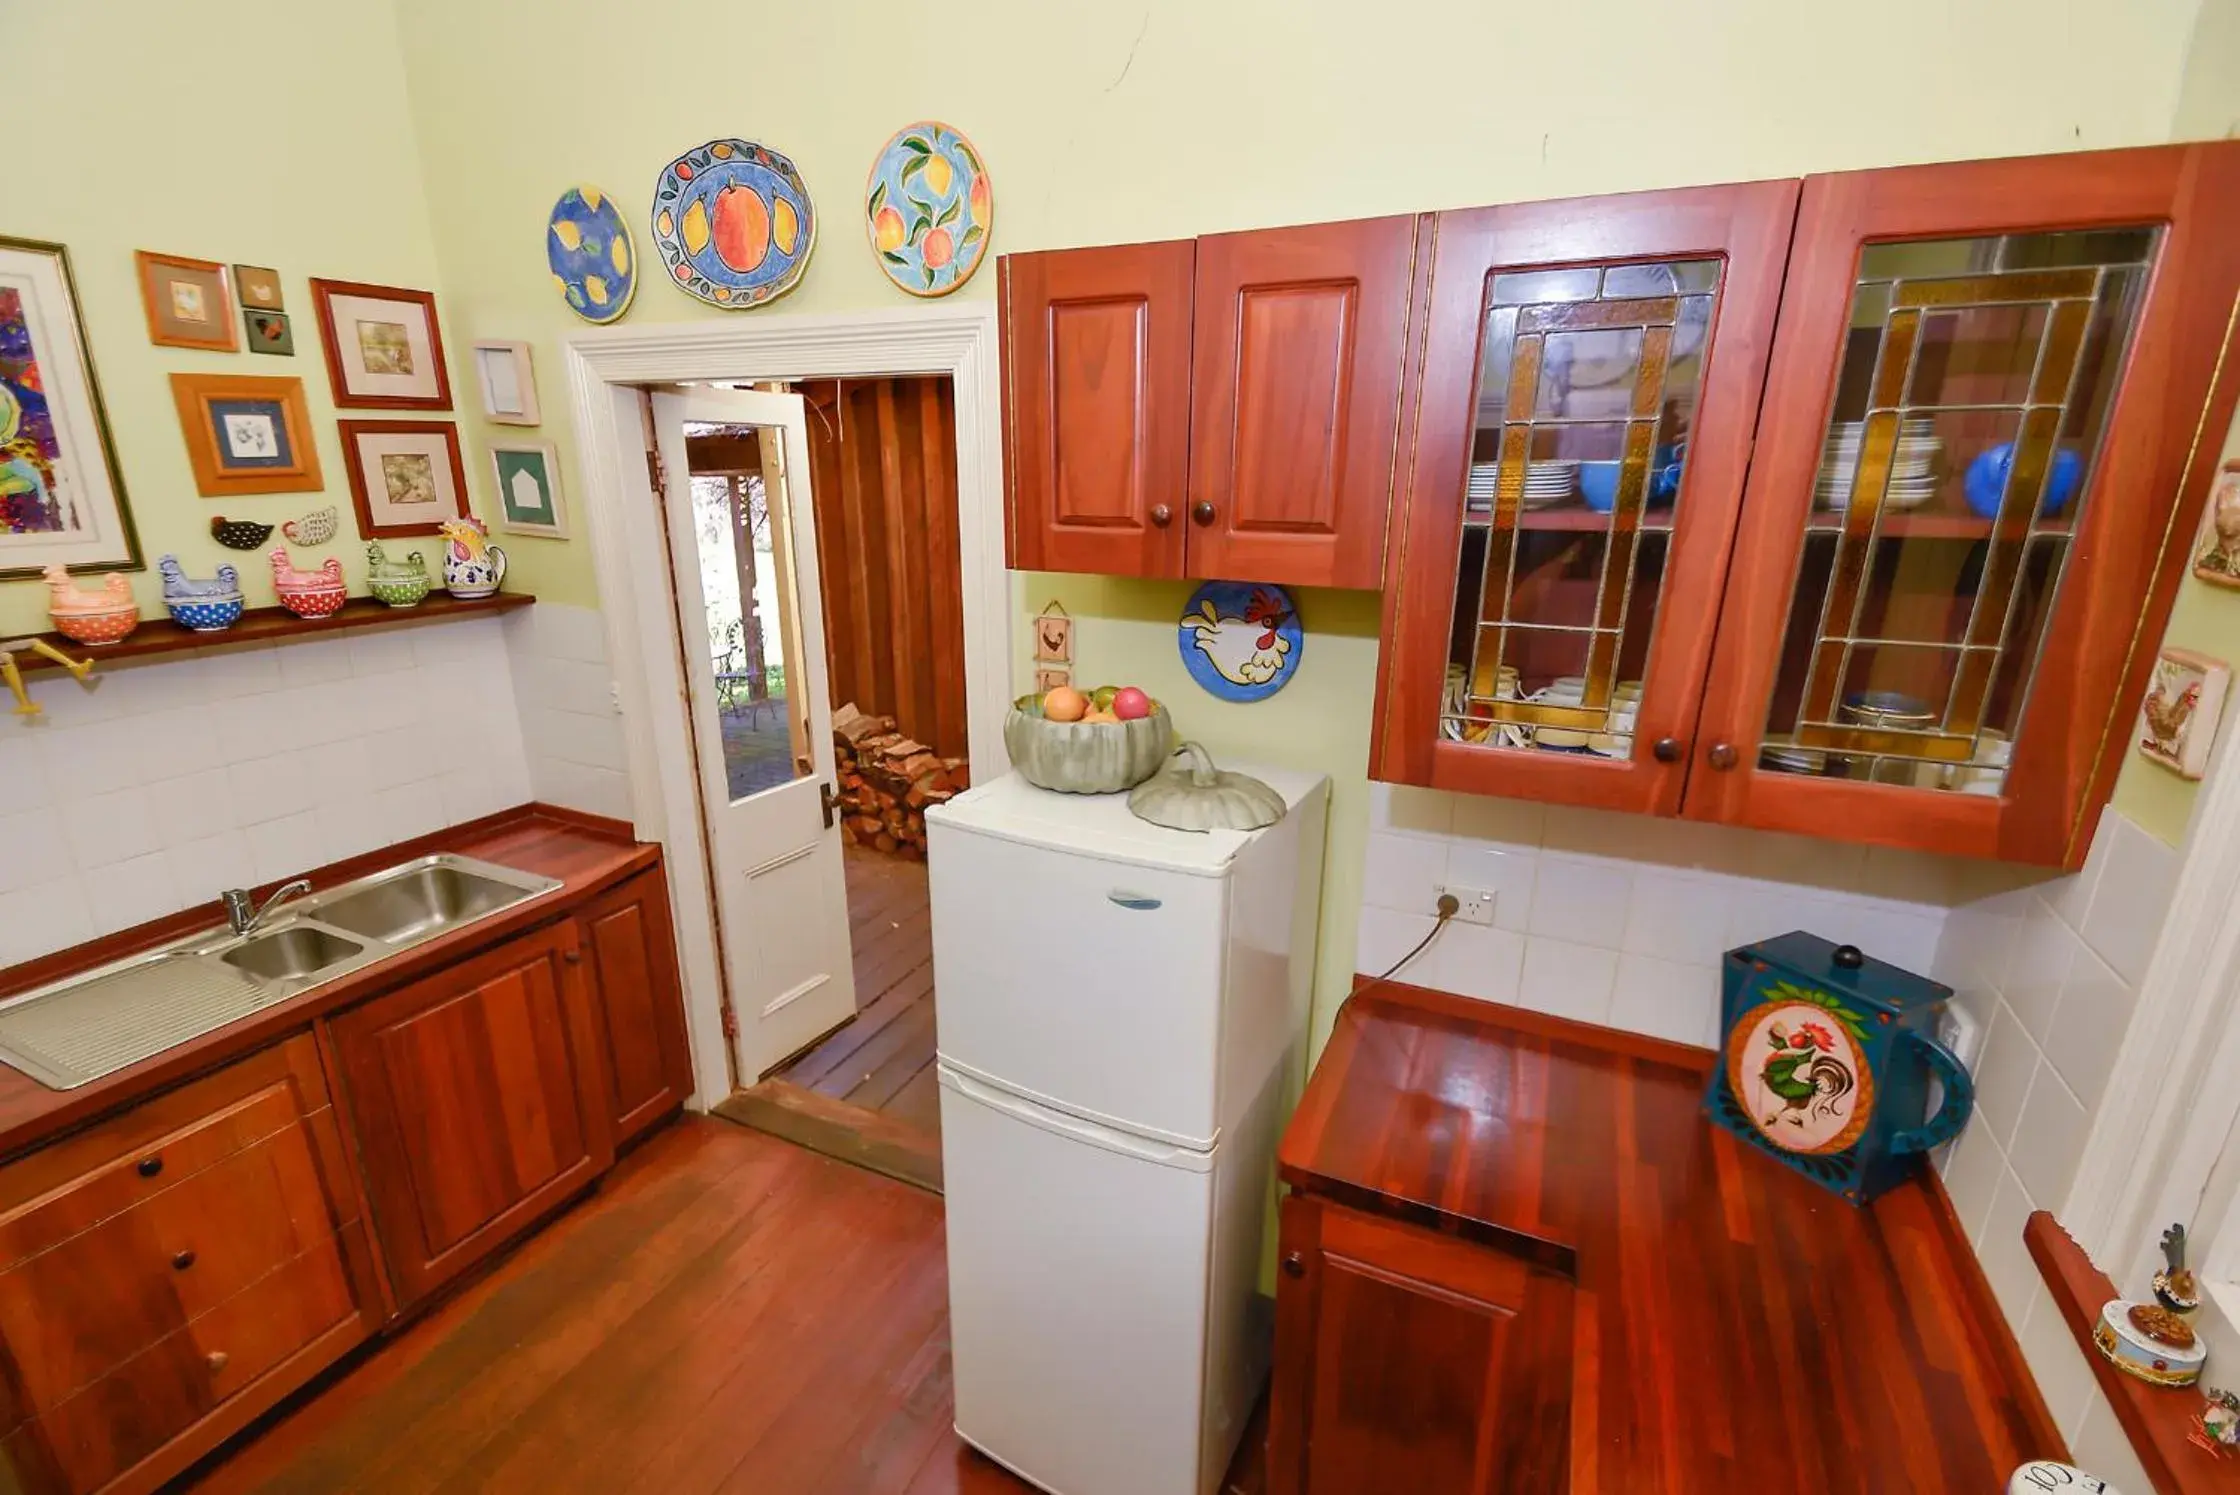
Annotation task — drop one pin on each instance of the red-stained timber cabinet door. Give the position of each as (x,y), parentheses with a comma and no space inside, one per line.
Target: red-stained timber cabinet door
(1591,378)
(1410,1360)
(1301,335)
(637,999)
(1989,424)
(1096,374)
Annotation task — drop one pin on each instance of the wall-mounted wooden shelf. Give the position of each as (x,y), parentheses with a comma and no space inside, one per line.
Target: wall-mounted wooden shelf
(2157,1419)
(271,625)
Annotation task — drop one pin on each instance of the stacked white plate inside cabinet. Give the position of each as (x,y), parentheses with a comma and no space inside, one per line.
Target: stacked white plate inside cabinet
(1484,485)
(1913,479)
(1549,483)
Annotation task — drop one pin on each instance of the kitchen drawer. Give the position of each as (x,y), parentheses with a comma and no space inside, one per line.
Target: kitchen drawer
(83,1307)
(177,1382)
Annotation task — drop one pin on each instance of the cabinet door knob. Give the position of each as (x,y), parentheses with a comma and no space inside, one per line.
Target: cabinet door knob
(572,957)
(1161,516)
(1667,750)
(150,1167)
(181,1260)
(1202,511)
(216,1360)
(1722,756)
(1294,1265)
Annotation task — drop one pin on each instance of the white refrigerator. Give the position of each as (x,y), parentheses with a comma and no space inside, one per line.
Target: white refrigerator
(1122,1015)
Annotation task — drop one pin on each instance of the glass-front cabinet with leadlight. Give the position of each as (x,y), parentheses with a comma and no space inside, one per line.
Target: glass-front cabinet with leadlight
(1865,530)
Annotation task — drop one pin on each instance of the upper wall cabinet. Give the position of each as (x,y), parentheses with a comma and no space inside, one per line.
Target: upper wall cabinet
(1922,610)
(1224,407)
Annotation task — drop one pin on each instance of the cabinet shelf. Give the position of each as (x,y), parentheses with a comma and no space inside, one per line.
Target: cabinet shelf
(1934,526)
(270,625)
(1577,519)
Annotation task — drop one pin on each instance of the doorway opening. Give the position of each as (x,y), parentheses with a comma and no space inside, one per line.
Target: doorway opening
(881,486)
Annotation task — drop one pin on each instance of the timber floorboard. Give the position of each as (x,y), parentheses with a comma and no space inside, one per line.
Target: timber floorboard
(728,1312)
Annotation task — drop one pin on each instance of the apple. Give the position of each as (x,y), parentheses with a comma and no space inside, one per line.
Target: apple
(1130,704)
(1100,699)
(1065,704)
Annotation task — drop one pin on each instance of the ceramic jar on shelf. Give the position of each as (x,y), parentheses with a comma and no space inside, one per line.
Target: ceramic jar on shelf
(472,566)
(100,616)
(204,606)
(307,594)
(398,583)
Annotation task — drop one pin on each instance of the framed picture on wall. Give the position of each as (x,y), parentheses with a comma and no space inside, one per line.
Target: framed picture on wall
(528,477)
(405,476)
(384,348)
(258,288)
(509,384)
(188,302)
(61,499)
(246,434)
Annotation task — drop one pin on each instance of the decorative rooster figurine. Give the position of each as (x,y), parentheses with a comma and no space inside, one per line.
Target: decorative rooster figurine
(307,594)
(90,617)
(2167,718)
(1247,650)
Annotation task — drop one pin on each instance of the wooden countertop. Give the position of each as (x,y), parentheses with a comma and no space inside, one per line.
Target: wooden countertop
(1737,1327)
(587,854)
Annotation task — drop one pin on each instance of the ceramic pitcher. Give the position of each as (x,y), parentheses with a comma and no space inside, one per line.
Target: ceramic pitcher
(472,566)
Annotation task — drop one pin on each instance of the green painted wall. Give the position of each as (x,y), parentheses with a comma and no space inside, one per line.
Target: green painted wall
(263,132)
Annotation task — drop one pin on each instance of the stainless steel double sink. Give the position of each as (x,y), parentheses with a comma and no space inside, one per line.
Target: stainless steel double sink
(75,1031)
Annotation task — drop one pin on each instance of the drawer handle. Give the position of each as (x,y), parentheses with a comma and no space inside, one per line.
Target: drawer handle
(1137,901)
(216,1360)
(181,1260)
(1294,1265)
(150,1167)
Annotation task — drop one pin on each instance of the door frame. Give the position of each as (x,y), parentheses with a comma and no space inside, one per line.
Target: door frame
(605,367)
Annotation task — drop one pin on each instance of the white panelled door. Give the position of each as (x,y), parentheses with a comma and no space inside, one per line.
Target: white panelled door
(743,550)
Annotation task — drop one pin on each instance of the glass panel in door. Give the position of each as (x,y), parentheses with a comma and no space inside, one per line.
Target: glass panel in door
(740,521)
(1977,375)
(1590,380)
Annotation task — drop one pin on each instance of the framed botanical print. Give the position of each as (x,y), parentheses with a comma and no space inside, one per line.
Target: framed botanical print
(61,499)
(384,349)
(509,384)
(405,476)
(246,434)
(188,302)
(528,477)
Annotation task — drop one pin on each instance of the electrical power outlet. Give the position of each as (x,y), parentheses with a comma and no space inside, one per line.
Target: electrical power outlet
(1477,904)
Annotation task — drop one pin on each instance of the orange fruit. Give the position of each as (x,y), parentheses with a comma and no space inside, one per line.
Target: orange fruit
(938,249)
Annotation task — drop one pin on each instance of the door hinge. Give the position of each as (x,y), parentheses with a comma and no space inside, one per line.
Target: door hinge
(831,799)
(730,1022)
(655,471)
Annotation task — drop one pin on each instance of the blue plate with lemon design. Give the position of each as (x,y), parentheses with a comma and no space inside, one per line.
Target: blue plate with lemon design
(593,261)
(930,208)
(733,224)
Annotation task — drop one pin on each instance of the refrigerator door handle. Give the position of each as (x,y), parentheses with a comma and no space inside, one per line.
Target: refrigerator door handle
(1140,902)
(1062,1125)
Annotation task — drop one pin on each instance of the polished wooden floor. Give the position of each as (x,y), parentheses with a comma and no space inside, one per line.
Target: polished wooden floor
(883,1061)
(728,1313)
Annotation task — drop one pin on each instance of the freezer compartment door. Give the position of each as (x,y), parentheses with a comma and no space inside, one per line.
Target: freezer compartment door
(1094,985)
(1077,1296)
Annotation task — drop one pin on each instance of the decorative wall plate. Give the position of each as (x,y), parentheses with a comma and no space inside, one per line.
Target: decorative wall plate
(239,534)
(733,223)
(314,528)
(1240,640)
(930,208)
(593,262)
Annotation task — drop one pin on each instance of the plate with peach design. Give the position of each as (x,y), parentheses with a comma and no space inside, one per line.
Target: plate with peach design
(733,224)
(929,208)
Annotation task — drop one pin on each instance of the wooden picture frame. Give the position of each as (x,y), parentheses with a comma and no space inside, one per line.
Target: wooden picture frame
(258,288)
(392,356)
(246,434)
(188,303)
(2216,551)
(528,478)
(62,497)
(508,382)
(390,463)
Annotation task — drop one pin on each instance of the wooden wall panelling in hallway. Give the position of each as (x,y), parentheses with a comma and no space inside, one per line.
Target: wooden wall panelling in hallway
(883,454)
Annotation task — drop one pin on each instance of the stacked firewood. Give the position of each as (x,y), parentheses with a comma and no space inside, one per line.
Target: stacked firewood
(887,780)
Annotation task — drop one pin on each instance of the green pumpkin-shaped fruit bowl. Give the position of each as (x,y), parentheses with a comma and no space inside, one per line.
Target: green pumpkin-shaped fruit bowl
(1085,757)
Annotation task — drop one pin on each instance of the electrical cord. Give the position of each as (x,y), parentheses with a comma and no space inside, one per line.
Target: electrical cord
(1448,906)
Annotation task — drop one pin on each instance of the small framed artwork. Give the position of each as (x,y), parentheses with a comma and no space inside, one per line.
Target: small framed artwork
(258,288)
(61,496)
(384,349)
(405,476)
(1053,636)
(246,434)
(528,477)
(2178,721)
(187,301)
(268,332)
(2216,555)
(1050,677)
(509,384)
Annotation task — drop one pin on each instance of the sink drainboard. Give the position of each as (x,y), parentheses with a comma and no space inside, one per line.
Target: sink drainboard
(120,1019)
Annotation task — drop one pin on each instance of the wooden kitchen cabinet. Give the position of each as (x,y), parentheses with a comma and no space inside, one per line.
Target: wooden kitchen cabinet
(637,1002)
(170,1273)
(479,1100)
(1411,1360)
(1228,407)
(1891,517)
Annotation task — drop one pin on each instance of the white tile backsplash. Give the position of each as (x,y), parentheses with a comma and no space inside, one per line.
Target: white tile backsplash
(169,780)
(567,723)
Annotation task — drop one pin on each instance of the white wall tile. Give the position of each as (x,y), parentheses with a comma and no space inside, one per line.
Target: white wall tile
(1679,916)
(1484,817)
(2130,900)
(1565,979)
(2063,1376)
(1971,1177)
(2006,1260)
(51,914)
(2088,1026)
(133,892)
(35,848)
(2039,965)
(202,869)
(1403,872)
(2004,1069)
(1666,999)
(1404,807)
(1384,936)
(108,828)
(1473,961)
(1506,871)
(23,770)
(176,742)
(1580,900)
(194,807)
(281,848)
(2102,1448)
(99,758)
(2049,1139)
